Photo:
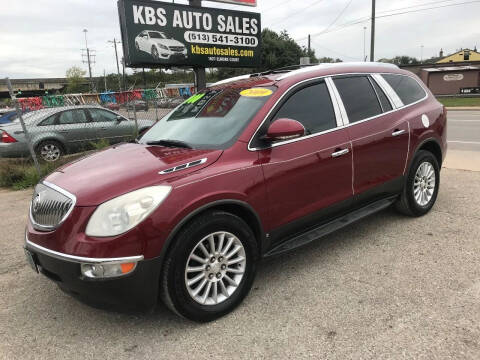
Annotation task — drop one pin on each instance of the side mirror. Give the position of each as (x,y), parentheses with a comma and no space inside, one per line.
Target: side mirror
(119,119)
(284,129)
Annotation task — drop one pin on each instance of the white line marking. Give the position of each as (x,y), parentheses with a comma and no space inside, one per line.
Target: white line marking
(464,142)
(450,121)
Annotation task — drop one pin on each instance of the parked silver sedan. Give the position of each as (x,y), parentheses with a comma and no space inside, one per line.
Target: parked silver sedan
(56,131)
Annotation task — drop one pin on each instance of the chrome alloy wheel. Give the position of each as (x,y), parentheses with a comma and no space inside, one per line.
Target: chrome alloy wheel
(424,183)
(50,152)
(215,268)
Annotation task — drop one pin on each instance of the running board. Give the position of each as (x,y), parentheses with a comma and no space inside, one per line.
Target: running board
(330,227)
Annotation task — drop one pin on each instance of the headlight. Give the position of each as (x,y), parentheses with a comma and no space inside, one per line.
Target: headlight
(163,46)
(121,214)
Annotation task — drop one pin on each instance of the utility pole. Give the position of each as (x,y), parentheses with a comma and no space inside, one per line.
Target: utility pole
(421,54)
(372,39)
(118,66)
(124,78)
(200,75)
(89,60)
(105,79)
(309,45)
(144,78)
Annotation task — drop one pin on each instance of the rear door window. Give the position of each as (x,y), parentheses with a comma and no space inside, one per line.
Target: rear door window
(72,117)
(311,106)
(358,97)
(407,88)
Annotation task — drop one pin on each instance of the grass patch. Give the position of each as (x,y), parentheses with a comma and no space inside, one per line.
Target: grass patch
(101,144)
(459,101)
(19,174)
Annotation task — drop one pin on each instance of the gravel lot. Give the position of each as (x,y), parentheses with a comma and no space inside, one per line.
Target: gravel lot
(386,287)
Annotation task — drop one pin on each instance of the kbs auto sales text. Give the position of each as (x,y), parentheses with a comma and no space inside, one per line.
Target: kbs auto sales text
(195,20)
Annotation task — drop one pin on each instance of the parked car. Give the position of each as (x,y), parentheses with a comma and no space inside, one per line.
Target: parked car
(112,106)
(8,117)
(159,45)
(138,105)
(57,131)
(245,170)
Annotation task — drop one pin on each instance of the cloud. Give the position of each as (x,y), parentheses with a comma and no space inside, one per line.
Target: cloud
(43,38)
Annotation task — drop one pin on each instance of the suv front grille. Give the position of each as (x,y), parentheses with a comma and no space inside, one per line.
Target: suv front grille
(177,48)
(50,206)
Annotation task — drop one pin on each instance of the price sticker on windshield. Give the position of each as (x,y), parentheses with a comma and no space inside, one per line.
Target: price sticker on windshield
(256,92)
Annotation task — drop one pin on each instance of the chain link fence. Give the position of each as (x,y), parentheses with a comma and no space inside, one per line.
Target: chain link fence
(64,127)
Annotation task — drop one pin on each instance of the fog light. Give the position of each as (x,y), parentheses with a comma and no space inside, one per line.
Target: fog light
(107,270)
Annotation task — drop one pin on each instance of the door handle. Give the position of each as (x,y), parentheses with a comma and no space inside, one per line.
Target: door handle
(63,131)
(397,132)
(103,128)
(340,153)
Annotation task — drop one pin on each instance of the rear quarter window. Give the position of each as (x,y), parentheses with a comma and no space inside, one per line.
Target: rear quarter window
(407,88)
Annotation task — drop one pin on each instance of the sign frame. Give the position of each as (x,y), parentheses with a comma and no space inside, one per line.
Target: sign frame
(238,2)
(233,38)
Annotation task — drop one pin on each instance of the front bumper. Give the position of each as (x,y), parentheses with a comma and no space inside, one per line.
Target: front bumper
(136,291)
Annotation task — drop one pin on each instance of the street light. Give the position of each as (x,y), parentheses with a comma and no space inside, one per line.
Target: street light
(364,37)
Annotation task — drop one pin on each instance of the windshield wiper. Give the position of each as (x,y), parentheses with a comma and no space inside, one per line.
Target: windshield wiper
(170,143)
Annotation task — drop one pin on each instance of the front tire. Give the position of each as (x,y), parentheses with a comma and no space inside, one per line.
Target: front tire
(210,268)
(155,53)
(421,188)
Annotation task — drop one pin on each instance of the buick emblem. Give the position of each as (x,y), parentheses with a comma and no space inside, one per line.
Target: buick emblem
(36,201)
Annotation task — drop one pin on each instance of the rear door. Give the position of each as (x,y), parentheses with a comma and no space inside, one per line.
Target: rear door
(104,125)
(308,179)
(379,137)
(72,127)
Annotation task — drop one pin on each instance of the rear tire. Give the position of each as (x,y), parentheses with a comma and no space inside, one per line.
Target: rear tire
(50,150)
(421,187)
(196,282)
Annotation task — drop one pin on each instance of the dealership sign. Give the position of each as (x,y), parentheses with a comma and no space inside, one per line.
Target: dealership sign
(156,34)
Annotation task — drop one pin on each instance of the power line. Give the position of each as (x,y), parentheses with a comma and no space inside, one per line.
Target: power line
(277,5)
(364,19)
(336,52)
(339,15)
(431,8)
(299,11)
(414,6)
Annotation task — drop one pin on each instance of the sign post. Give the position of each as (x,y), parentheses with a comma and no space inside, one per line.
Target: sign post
(200,74)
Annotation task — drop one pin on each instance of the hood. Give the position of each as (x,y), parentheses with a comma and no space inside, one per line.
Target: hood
(170,42)
(120,169)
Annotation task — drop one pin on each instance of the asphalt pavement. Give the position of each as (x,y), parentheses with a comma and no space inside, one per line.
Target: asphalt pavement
(387,287)
(463,130)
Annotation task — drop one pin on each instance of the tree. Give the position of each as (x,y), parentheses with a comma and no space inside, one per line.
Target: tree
(75,80)
(401,60)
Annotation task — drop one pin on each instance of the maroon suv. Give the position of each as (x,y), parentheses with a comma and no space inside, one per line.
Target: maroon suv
(248,168)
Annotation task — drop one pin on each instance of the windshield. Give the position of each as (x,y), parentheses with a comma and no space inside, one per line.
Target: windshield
(157,35)
(212,119)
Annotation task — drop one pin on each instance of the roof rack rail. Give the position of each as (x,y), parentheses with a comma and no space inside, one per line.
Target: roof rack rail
(280,70)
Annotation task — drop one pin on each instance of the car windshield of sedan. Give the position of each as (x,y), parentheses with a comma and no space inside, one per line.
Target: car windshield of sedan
(211,119)
(156,35)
